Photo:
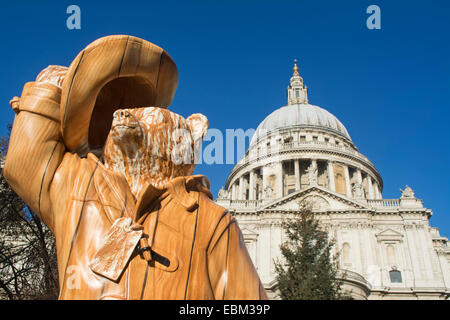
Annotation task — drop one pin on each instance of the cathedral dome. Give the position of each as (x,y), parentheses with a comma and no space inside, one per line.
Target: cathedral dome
(300,116)
(298,146)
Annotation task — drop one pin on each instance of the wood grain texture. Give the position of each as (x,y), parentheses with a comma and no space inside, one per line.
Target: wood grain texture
(197,251)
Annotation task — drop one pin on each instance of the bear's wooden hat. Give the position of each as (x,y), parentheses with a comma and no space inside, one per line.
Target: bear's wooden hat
(112,72)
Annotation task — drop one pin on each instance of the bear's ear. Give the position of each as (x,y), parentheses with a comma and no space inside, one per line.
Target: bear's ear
(198,125)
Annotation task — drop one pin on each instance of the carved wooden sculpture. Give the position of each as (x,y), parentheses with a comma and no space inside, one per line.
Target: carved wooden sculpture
(130,222)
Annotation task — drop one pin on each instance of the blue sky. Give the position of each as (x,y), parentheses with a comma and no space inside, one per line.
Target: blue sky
(389,87)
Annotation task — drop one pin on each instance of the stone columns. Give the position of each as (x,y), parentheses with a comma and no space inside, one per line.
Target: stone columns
(347,182)
(359,192)
(359,176)
(297,174)
(279,191)
(264,184)
(331,183)
(233,191)
(377,191)
(314,163)
(444,267)
(251,189)
(369,183)
(241,188)
(313,173)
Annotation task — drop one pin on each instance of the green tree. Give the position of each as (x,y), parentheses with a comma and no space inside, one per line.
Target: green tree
(308,270)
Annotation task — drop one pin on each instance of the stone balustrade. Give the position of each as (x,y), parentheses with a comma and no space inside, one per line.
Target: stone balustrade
(301,144)
(395,203)
(348,275)
(384,203)
(245,203)
(374,203)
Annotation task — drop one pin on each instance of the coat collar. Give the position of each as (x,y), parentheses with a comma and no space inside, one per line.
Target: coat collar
(180,189)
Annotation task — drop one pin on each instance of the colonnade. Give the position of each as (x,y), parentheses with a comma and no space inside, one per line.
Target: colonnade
(339,179)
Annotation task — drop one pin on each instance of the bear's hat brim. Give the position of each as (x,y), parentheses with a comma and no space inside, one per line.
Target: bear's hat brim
(111,73)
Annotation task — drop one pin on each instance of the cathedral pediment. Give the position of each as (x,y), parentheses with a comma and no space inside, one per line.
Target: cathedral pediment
(389,235)
(249,230)
(320,199)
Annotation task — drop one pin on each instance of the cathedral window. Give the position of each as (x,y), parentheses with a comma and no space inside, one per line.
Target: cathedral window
(288,177)
(339,179)
(322,173)
(395,276)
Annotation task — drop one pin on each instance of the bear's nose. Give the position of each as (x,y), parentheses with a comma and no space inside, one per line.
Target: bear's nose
(121,114)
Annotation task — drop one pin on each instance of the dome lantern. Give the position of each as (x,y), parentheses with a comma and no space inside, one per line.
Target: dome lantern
(297,92)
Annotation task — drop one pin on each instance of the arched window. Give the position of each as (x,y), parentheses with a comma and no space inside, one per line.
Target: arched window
(396,276)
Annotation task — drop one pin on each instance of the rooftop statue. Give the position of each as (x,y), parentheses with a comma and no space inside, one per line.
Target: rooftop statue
(223,194)
(96,154)
(407,193)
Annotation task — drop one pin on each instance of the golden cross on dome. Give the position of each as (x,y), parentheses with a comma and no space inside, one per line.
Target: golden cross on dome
(295,68)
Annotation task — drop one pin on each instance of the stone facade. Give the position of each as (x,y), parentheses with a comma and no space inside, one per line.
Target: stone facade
(302,153)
